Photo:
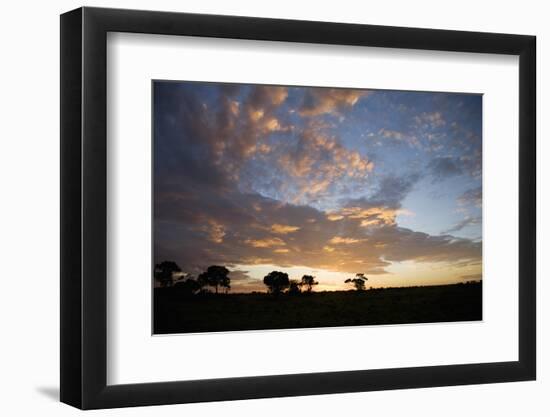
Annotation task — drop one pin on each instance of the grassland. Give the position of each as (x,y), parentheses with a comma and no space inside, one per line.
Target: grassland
(175,312)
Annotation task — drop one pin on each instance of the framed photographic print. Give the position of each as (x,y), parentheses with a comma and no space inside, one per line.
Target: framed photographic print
(319,194)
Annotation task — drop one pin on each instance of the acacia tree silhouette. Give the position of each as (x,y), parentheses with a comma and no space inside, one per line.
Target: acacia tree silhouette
(164,272)
(308,281)
(276,282)
(358,282)
(215,276)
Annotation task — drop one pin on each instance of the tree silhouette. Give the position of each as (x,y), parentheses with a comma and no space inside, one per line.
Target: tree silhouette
(276,282)
(358,282)
(308,281)
(202,281)
(188,286)
(225,283)
(164,272)
(294,287)
(215,276)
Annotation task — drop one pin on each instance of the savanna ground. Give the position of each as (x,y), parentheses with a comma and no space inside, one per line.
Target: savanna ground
(177,313)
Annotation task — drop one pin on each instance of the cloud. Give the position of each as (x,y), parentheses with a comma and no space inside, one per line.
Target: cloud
(392,134)
(283,229)
(266,96)
(216,231)
(250,238)
(405,137)
(234,107)
(382,207)
(243,135)
(471,277)
(370,216)
(405,244)
(393,189)
(283,250)
(329,100)
(442,168)
(337,240)
(432,120)
(341,245)
(265,243)
(240,182)
(467,221)
(472,163)
(471,197)
(315,162)
(255,114)
(242,282)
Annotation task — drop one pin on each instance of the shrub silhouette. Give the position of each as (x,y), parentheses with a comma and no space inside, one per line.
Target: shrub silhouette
(164,272)
(308,281)
(276,282)
(190,286)
(358,282)
(294,287)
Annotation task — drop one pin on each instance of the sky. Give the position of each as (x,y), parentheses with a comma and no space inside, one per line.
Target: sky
(323,181)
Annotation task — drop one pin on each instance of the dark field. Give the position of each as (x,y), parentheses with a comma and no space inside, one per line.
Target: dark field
(177,313)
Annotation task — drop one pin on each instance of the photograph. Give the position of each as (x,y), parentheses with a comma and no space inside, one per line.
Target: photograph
(285,207)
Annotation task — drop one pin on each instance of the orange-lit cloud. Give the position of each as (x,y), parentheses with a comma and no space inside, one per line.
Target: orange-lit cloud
(337,240)
(283,229)
(265,243)
(256,114)
(316,162)
(329,100)
(234,107)
(282,250)
(216,231)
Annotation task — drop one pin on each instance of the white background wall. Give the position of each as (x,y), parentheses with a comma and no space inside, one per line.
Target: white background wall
(29,209)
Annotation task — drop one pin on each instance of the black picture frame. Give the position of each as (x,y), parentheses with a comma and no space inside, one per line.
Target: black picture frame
(84,207)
